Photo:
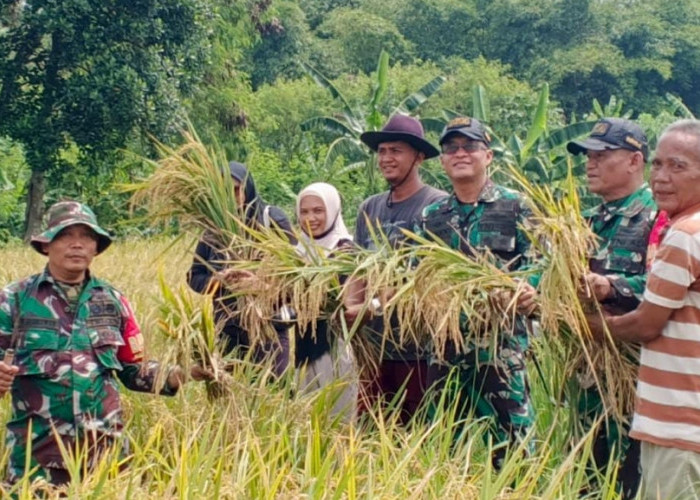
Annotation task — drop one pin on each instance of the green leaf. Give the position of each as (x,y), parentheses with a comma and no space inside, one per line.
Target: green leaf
(414,100)
(561,136)
(434,125)
(381,84)
(598,109)
(324,82)
(330,125)
(679,107)
(346,147)
(480,103)
(539,122)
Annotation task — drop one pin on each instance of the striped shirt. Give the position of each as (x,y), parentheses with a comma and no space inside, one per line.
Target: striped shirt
(667,411)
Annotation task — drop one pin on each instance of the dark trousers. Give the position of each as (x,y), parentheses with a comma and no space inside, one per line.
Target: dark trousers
(404,382)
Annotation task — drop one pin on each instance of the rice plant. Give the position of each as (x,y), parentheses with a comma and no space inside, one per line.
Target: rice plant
(265,440)
(564,242)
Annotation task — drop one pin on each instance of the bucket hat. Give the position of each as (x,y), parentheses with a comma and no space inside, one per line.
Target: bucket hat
(69,213)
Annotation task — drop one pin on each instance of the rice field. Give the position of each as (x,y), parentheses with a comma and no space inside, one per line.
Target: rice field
(266,440)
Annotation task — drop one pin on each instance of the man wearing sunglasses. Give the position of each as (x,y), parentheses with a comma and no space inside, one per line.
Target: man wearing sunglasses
(481,217)
(616,152)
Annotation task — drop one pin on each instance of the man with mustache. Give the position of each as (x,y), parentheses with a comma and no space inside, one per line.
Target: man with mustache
(616,152)
(401,148)
(72,335)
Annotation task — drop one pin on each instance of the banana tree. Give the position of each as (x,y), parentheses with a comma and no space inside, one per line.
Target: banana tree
(350,122)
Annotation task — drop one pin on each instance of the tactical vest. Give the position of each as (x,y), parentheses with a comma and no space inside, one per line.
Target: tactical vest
(628,240)
(497,229)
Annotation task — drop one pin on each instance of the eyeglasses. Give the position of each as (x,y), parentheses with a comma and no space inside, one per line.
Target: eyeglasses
(469,147)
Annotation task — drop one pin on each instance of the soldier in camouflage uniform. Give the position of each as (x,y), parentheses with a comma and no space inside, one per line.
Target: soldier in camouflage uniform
(72,335)
(481,216)
(617,151)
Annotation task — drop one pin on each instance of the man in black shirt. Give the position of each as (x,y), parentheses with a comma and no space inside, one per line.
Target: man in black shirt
(401,148)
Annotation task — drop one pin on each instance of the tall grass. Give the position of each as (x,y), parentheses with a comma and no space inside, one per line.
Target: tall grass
(266,440)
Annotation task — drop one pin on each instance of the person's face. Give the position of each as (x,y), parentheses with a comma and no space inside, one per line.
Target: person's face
(395,160)
(675,172)
(239,193)
(465,160)
(312,215)
(71,252)
(611,172)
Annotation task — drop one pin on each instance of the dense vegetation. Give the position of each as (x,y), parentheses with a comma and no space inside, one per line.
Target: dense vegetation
(242,73)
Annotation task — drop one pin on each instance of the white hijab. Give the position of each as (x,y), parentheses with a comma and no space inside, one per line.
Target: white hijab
(335,229)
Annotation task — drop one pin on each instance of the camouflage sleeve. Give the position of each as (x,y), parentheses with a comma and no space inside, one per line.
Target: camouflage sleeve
(137,374)
(144,377)
(6,323)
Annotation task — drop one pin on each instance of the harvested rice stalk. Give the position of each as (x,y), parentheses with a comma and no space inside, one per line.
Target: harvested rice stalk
(564,240)
(188,319)
(191,184)
(451,293)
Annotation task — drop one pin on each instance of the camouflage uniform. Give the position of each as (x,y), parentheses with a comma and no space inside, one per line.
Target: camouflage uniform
(70,342)
(491,381)
(623,228)
(67,358)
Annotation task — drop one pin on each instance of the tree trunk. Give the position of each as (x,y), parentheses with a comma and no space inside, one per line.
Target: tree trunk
(35,204)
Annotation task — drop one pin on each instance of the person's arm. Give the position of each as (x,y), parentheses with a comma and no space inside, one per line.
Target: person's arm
(622,288)
(673,273)
(527,293)
(7,371)
(203,267)
(617,292)
(641,325)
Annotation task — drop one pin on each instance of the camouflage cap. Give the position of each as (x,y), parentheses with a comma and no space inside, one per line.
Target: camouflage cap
(69,213)
(467,127)
(612,133)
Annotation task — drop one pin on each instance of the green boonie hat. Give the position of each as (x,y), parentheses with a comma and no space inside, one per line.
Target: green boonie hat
(69,213)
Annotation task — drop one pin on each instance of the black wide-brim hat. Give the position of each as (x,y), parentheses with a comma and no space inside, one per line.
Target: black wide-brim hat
(401,128)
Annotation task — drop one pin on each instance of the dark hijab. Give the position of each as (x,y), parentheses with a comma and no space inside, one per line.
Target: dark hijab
(255,206)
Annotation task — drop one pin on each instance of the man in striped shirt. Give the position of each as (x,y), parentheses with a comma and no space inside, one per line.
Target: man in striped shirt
(667,323)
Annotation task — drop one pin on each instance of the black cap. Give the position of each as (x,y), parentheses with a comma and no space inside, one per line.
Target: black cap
(468,127)
(612,133)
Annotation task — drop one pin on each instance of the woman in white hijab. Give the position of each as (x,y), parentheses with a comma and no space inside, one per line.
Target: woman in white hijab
(325,359)
(320,217)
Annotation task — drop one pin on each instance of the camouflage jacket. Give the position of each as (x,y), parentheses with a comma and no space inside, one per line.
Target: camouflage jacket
(68,358)
(623,228)
(494,224)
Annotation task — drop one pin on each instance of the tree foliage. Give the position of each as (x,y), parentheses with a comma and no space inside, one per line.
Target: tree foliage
(88,73)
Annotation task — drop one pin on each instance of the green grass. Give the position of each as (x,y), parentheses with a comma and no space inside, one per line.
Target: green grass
(263,443)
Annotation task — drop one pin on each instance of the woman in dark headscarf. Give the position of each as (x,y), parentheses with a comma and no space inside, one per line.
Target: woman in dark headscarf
(208,273)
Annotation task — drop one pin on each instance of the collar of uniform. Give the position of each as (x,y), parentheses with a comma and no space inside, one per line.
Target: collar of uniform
(629,206)
(45,277)
(488,194)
